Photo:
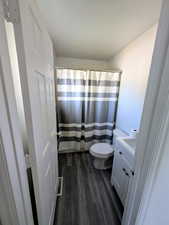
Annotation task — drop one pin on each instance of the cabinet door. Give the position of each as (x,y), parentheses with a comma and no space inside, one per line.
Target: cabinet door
(126,177)
(120,176)
(117,175)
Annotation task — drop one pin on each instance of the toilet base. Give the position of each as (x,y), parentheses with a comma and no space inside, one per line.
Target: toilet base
(102,163)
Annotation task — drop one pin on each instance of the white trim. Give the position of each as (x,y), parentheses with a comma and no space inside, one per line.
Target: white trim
(15,181)
(161,146)
(12,154)
(8,212)
(153,127)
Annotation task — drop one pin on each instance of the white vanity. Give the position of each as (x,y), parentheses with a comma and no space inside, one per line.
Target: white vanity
(123,164)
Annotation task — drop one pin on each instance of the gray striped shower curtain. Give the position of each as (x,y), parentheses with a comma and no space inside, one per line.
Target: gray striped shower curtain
(86,102)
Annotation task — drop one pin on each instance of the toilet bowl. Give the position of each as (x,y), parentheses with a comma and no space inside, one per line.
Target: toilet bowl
(103,152)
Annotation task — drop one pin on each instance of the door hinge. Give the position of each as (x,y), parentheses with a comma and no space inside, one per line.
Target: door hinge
(11,10)
(60,186)
(28,161)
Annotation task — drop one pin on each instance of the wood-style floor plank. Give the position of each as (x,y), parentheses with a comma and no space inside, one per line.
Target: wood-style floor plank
(88,197)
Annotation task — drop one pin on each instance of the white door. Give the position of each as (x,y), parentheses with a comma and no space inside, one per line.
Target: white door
(15,205)
(36,64)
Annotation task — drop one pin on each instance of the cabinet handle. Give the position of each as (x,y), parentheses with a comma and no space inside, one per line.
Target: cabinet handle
(127,174)
(132,172)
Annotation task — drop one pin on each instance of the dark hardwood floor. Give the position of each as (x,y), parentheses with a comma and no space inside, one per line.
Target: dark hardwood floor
(88,197)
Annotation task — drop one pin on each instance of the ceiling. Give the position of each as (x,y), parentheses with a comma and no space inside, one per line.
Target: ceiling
(96,29)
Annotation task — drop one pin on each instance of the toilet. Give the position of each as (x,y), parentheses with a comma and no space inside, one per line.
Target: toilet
(103,152)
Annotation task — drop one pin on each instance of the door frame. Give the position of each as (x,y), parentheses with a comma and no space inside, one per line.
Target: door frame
(15,188)
(153,128)
(16,11)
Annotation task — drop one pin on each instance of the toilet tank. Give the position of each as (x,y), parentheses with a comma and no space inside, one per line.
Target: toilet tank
(116,134)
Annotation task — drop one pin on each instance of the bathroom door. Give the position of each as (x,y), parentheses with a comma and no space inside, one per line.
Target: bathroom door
(15,204)
(35,56)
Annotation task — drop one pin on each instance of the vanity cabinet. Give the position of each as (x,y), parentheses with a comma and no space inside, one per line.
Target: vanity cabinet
(121,173)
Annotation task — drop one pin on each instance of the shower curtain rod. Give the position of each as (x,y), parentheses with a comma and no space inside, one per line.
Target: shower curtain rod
(97,70)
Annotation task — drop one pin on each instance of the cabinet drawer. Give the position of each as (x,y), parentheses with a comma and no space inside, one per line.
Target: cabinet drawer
(120,176)
(125,157)
(129,157)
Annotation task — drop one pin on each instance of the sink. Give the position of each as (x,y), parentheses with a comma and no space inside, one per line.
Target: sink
(127,146)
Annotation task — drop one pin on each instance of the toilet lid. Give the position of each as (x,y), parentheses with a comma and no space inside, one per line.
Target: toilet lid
(101,150)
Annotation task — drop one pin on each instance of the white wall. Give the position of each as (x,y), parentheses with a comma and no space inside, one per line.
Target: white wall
(81,63)
(134,61)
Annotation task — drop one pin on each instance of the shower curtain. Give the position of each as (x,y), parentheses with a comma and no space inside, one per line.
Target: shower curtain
(86,107)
